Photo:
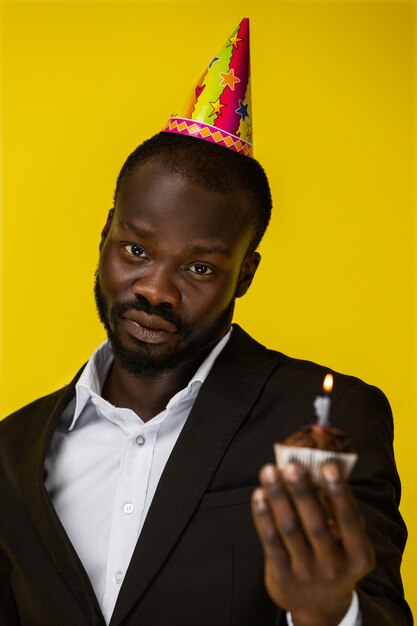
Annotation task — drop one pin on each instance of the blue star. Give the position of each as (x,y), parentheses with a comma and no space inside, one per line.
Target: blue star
(242,110)
(213,61)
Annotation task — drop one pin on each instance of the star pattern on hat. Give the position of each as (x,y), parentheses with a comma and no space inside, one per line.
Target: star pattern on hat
(242,110)
(229,79)
(217,107)
(234,41)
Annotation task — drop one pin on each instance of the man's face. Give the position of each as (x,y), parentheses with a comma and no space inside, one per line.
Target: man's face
(173,259)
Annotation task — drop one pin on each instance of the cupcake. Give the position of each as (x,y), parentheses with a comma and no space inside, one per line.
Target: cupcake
(314,444)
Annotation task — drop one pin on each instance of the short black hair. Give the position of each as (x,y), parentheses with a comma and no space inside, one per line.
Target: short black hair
(211,166)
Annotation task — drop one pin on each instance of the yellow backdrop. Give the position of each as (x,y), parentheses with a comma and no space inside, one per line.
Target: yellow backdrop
(334,107)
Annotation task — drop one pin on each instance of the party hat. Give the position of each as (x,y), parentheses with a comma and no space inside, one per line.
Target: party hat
(219,107)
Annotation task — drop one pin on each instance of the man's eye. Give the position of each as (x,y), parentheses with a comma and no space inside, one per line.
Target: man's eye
(201,269)
(135,250)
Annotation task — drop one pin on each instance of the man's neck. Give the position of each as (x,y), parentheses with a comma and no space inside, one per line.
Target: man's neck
(147,395)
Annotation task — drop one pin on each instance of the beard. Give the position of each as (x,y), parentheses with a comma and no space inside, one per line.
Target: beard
(141,361)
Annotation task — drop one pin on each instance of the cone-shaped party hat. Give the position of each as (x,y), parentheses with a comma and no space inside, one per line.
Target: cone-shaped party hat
(219,108)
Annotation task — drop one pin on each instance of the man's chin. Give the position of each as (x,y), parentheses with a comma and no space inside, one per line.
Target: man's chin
(150,359)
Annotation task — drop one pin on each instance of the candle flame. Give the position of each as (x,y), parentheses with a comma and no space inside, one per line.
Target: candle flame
(328,383)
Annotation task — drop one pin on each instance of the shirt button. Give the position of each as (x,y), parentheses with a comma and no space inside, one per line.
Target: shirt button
(128,508)
(118,577)
(140,440)
(94,401)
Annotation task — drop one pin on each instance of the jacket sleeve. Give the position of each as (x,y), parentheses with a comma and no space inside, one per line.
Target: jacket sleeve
(365,414)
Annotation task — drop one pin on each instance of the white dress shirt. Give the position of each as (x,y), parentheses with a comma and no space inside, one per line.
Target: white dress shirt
(103,468)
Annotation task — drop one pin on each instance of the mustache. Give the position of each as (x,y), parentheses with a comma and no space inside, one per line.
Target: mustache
(140,303)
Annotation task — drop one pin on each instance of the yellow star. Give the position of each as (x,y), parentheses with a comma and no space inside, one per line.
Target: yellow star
(229,78)
(217,107)
(235,40)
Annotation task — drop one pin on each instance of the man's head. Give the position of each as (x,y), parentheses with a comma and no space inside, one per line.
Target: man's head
(178,248)
(210,166)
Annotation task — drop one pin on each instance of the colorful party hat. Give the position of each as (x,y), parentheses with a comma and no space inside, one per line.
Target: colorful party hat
(219,107)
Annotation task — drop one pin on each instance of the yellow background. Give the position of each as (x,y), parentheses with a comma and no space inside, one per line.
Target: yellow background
(334,107)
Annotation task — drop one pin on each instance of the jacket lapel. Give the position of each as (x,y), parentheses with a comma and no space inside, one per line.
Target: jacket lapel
(31,478)
(223,403)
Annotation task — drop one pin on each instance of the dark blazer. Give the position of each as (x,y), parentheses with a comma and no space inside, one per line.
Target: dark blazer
(198,561)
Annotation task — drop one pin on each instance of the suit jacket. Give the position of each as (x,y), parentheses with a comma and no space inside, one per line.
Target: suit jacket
(198,561)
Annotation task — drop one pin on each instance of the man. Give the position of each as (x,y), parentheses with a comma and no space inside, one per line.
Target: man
(127,494)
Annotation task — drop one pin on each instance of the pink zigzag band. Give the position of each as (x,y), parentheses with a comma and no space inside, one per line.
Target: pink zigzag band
(207,132)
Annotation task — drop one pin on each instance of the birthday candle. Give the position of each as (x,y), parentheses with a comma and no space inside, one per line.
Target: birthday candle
(322,404)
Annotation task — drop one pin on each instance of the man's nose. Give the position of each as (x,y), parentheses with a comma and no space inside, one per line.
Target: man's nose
(158,286)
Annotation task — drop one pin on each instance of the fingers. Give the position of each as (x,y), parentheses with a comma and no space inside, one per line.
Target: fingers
(308,565)
(271,543)
(312,514)
(349,520)
(303,524)
(294,528)
(286,520)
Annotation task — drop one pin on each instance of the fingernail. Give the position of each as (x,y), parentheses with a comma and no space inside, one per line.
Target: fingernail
(292,472)
(268,474)
(259,501)
(331,473)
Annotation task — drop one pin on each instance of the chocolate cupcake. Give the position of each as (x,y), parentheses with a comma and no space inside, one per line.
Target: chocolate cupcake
(320,438)
(312,445)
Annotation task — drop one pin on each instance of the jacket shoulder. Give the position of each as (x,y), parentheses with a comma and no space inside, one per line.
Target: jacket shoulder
(24,417)
(293,384)
(293,372)
(33,407)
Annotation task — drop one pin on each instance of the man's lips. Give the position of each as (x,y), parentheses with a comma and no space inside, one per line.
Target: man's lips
(148,328)
(153,322)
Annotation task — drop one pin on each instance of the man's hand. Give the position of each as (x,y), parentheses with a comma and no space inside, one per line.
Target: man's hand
(311,565)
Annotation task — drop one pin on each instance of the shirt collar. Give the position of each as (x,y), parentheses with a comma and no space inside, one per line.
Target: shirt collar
(201,374)
(92,379)
(95,372)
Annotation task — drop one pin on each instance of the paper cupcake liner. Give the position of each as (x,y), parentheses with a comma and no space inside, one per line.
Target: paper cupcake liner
(312,460)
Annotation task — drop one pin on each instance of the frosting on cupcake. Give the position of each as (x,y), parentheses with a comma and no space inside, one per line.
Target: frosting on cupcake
(320,438)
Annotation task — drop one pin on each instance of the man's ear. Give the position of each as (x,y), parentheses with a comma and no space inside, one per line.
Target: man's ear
(247,272)
(106,228)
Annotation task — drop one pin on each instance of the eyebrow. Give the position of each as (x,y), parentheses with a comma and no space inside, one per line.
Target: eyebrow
(208,250)
(151,236)
(140,232)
